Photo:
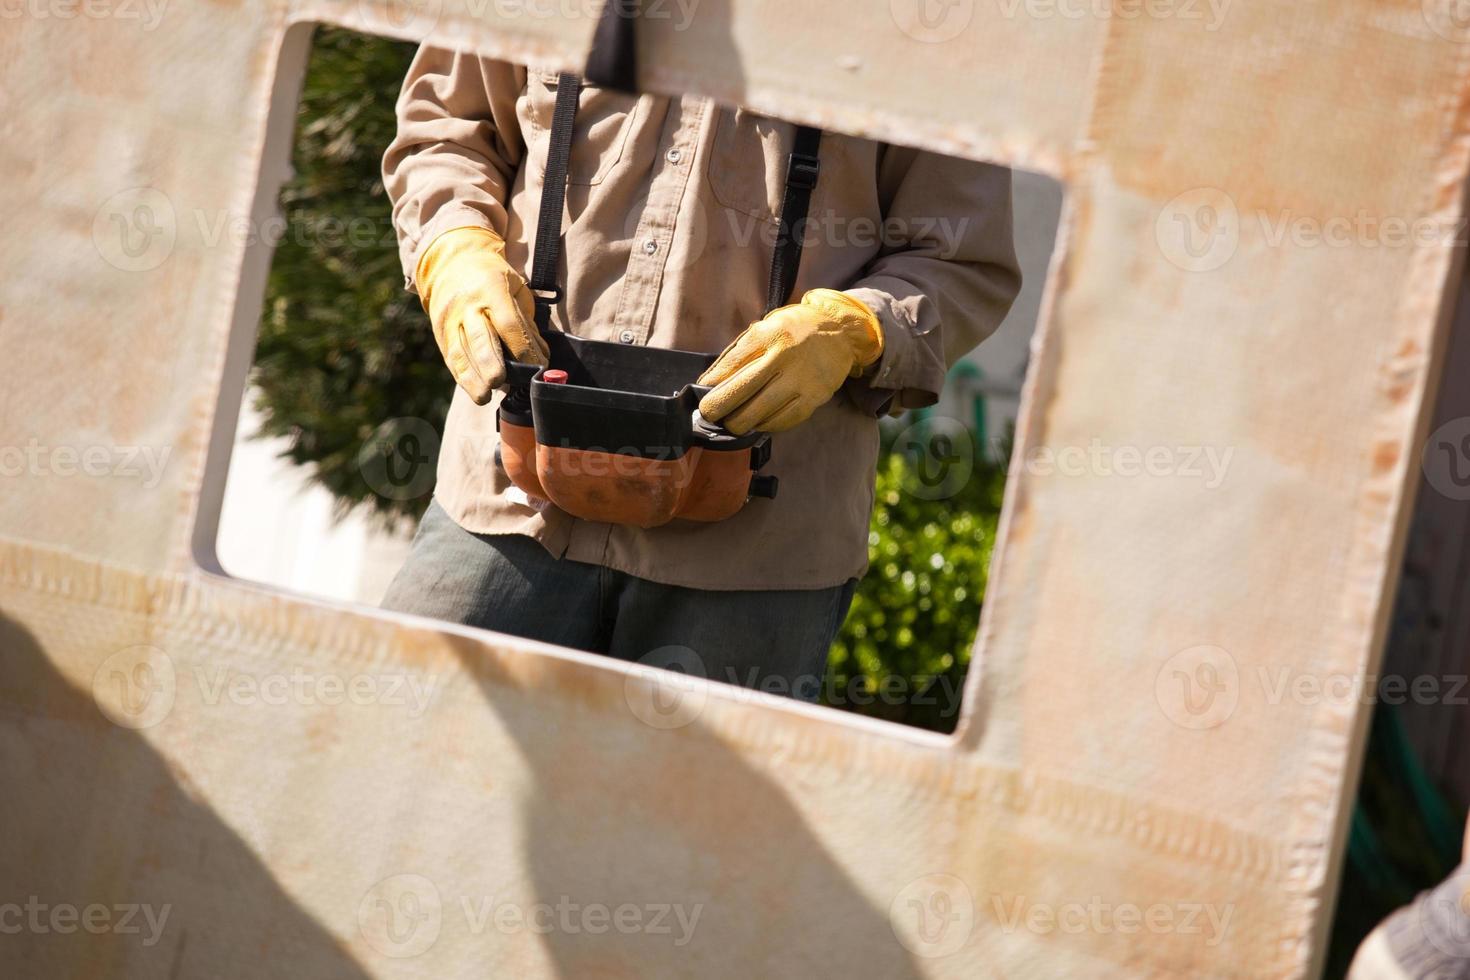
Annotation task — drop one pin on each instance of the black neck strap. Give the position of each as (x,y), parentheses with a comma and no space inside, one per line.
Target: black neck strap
(802,168)
(547,256)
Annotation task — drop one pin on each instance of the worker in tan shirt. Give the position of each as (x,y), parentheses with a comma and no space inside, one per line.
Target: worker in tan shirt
(672,206)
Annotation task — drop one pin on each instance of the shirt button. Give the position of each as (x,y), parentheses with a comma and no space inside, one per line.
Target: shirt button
(626,336)
(674,155)
(650,246)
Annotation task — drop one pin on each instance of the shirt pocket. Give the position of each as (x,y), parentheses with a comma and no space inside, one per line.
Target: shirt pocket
(747,164)
(600,138)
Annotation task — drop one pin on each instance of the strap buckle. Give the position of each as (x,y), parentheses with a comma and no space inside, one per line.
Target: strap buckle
(542,302)
(802,170)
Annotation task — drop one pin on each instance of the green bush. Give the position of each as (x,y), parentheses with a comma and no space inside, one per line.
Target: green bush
(343,348)
(904,649)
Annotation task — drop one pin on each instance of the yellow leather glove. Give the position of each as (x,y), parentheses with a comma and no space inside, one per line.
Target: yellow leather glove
(783,368)
(477,302)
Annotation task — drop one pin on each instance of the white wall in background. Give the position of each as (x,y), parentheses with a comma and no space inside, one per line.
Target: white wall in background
(1002,359)
(277,527)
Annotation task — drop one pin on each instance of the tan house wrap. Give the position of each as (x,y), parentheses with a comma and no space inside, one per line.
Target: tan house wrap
(293,832)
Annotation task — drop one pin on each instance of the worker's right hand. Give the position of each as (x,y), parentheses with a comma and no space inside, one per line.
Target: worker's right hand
(477,302)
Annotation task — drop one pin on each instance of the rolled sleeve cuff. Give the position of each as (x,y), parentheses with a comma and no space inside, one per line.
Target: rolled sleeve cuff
(448,219)
(905,376)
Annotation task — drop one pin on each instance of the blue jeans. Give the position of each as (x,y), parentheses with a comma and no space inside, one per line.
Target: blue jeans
(774,641)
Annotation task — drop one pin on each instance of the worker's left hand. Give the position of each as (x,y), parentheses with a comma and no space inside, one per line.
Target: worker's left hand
(783,368)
